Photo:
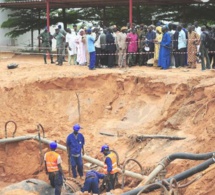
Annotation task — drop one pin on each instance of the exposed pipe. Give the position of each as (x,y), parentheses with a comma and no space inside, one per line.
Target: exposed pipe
(85,157)
(178,177)
(39,126)
(16,139)
(15,128)
(166,161)
(95,161)
(123,169)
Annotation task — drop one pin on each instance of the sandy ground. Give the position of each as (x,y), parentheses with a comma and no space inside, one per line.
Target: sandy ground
(137,101)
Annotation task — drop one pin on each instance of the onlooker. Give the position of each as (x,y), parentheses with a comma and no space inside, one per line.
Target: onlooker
(110,48)
(63,32)
(150,36)
(193,42)
(72,47)
(46,47)
(122,45)
(81,45)
(104,57)
(60,40)
(98,48)
(165,50)
(157,41)
(212,47)
(75,29)
(182,44)
(132,39)
(197,28)
(204,50)
(143,57)
(91,49)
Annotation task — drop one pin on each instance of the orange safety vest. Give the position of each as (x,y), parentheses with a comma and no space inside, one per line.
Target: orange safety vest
(112,156)
(51,161)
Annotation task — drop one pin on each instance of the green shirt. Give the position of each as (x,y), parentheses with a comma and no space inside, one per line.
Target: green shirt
(59,40)
(46,37)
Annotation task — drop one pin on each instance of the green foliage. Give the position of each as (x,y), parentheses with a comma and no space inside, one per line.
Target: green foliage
(22,21)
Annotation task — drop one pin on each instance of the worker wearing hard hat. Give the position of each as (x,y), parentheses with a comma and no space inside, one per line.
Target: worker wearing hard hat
(53,168)
(75,147)
(110,168)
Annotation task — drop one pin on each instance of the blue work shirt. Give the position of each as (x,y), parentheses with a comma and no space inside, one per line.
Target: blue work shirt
(108,162)
(92,177)
(90,43)
(95,174)
(75,143)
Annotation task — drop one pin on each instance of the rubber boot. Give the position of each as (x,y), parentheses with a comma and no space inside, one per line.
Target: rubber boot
(45,62)
(52,62)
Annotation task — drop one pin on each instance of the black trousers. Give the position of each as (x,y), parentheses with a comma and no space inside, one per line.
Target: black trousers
(182,56)
(98,57)
(112,182)
(111,59)
(104,57)
(56,181)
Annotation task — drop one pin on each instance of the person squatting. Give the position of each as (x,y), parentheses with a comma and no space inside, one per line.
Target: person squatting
(75,149)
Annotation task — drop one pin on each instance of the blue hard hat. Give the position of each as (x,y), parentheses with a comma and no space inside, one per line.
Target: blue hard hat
(104,148)
(53,145)
(76,127)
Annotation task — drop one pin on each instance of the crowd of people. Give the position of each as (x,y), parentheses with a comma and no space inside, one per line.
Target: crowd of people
(75,149)
(162,46)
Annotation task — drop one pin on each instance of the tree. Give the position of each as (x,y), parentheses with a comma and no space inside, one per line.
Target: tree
(24,20)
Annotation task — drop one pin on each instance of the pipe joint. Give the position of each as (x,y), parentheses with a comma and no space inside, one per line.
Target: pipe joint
(164,162)
(213,157)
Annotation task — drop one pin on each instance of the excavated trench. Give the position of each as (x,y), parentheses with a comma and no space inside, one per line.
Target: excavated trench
(113,109)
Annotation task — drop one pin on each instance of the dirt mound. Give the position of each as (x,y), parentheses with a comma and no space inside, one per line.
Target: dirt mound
(137,102)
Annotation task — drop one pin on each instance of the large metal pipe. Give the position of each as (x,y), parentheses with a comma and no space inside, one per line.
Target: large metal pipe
(166,161)
(15,139)
(85,157)
(178,177)
(95,161)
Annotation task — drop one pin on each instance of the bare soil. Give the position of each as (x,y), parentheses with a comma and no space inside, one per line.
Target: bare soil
(137,101)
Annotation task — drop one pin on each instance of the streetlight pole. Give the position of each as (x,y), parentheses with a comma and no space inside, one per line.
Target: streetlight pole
(48,14)
(130,12)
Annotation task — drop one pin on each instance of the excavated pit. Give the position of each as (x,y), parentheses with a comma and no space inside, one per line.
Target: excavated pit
(121,104)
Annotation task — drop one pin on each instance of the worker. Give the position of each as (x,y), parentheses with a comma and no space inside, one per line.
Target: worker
(75,148)
(46,37)
(91,184)
(53,168)
(110,168)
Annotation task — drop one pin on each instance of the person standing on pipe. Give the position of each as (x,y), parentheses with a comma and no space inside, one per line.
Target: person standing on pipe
(75,145)
(53,168)
(110,168)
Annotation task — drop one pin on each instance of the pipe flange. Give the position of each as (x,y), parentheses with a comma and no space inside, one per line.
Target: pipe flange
(213,157)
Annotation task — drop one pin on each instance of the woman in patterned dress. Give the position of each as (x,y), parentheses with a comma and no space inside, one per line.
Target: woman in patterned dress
(193,42)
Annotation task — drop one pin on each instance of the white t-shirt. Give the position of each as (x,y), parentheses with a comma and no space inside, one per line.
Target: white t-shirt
(71,40)
(97,43)
(198,30)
